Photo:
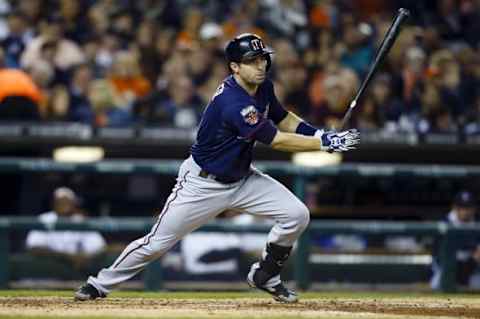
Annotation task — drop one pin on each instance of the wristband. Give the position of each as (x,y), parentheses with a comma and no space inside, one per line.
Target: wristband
(305,129)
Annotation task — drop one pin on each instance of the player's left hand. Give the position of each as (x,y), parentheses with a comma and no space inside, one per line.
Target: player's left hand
(340,141)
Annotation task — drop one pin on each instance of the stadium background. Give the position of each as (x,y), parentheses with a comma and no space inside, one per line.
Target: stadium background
(133,77)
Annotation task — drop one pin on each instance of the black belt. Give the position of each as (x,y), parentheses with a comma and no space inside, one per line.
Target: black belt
(222,179)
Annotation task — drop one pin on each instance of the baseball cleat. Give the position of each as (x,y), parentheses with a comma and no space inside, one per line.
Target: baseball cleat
(274,286)
(88,292)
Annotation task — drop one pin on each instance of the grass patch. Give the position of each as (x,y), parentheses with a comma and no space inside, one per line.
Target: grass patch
(54,317)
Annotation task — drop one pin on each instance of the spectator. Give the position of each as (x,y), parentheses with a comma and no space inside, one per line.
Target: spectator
(435,115)
(211,38)
(323,14)
(79,107)
(19,95)
(51,45)
(19,35)
(358,52)
(379,106)
(178,106)
(107,47)
(32,9)
(446,76)
(431,40)
(145,46)
(122,25)
(72,14)
(192,22)
(42,75)
(469,61)
(319,40)
(283,17)
(448,20)
(77,249)
(412,77)
(126,77)
(470,20)
(200,72)
(320,52)
(242,20)
(98,19)
(468,253)
(164,45)
(291,78)
(438,120)
(110,108)
(340,83)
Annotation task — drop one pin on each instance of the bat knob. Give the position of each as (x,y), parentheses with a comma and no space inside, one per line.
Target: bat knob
(404,12)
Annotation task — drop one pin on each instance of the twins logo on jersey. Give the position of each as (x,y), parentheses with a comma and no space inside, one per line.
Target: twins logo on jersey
(250,115)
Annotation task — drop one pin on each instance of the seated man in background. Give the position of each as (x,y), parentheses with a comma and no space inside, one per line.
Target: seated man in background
(468,253)
(75,249)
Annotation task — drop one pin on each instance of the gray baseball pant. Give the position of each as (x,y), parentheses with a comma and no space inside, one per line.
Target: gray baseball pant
(193,202)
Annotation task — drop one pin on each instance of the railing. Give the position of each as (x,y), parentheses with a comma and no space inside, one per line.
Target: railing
(78,132)
(129,166)
(300,174)
(450,237)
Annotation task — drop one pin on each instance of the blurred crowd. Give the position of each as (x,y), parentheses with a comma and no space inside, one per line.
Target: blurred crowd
(146,62)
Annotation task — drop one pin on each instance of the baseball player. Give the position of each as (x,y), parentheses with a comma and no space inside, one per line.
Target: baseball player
(219,176)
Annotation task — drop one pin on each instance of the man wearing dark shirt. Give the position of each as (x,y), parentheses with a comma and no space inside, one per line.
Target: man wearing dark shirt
(468,251)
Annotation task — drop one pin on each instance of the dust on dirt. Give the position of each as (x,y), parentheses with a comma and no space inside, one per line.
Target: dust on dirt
(238,308)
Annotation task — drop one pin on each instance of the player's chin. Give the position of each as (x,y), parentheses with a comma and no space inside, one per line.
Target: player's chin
(259,79)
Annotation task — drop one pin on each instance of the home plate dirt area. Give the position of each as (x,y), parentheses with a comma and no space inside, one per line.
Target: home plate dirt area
(250,306)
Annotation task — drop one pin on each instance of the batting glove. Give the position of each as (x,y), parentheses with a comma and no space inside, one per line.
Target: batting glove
(339,141)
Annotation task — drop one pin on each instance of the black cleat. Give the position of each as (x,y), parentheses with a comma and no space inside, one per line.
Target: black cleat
(88,292)
(276,288)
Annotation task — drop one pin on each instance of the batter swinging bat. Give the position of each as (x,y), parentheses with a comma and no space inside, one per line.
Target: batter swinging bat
(387,43)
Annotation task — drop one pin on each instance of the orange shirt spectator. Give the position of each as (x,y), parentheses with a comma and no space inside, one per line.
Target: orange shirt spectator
(126,76)
(320,17)
(15,82)
(139,85)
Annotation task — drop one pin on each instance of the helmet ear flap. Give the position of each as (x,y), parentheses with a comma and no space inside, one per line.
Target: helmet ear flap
(269,61)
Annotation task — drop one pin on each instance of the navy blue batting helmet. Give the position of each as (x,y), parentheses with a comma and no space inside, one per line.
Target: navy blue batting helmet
(245,47)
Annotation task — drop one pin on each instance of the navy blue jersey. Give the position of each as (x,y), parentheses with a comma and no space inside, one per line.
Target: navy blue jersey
(230,125)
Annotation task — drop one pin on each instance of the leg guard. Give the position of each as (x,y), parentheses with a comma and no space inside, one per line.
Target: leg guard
(272,263)
(265,275)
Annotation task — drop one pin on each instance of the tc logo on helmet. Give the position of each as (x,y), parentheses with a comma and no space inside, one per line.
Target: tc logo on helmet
(257,44)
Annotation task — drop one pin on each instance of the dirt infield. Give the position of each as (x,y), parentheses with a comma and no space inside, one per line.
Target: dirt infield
(64,307)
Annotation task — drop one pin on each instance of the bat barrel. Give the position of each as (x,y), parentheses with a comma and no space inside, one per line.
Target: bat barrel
(382,51)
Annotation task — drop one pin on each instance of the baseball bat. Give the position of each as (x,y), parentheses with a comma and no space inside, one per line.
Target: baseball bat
(382,51)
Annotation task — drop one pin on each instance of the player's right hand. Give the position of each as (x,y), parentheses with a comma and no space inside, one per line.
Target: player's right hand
(340,141)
